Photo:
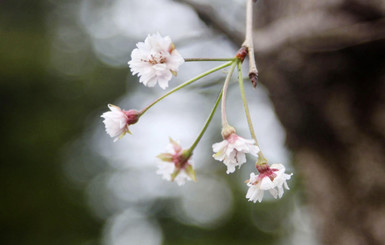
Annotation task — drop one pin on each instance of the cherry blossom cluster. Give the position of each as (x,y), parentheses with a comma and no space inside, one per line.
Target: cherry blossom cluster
(156,61)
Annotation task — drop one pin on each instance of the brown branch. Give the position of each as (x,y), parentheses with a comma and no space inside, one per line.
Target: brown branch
(314,30)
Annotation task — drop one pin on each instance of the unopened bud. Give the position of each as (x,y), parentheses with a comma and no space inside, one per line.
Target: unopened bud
(253,78)
(242,53)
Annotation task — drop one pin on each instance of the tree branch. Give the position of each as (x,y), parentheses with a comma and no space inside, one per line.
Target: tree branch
(318,30)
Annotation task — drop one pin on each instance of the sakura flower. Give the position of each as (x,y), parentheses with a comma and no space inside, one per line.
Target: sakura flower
(117,121)
(280,180)
(155,60)
(271,178)
(232,151)
(176,164)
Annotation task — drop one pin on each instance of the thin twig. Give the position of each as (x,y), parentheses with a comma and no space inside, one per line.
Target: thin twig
(248,43)
(315,30)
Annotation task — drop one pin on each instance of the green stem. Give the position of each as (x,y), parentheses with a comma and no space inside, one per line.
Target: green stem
(208,59)
(184,85)
(225,86)
(261,158)
(206,124)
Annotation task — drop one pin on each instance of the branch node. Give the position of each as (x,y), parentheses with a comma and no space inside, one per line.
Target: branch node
(242,53)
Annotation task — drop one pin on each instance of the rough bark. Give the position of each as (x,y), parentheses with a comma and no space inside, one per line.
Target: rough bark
(323,63)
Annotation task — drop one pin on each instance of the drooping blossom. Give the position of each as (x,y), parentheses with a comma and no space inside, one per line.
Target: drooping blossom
(271,178)
(176,164)
(117,121)
(232,150)
(155,61)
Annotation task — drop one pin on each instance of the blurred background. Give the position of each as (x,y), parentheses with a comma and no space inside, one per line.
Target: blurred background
(319,109)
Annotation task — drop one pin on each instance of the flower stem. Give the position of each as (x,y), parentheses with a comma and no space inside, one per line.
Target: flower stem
(185,84)
(206,124)
(208,59)
(261,158)
(225,86)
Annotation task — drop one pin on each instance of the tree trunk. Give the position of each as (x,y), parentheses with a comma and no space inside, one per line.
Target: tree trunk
(323,63)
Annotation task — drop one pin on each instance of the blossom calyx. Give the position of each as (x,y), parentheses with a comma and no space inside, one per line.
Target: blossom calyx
(116,121)
(132,116)
(227,131)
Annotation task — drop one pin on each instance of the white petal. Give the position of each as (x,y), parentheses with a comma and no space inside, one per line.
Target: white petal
(241,158)
(219,146)
(267,184)
(165,169)
(230,168)
(274,192)
(280,191)
(254,194)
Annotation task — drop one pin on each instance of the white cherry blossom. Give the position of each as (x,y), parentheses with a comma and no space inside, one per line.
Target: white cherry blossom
(155,61)
(176,164)
(116,121)
(232,151)
(271,179)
